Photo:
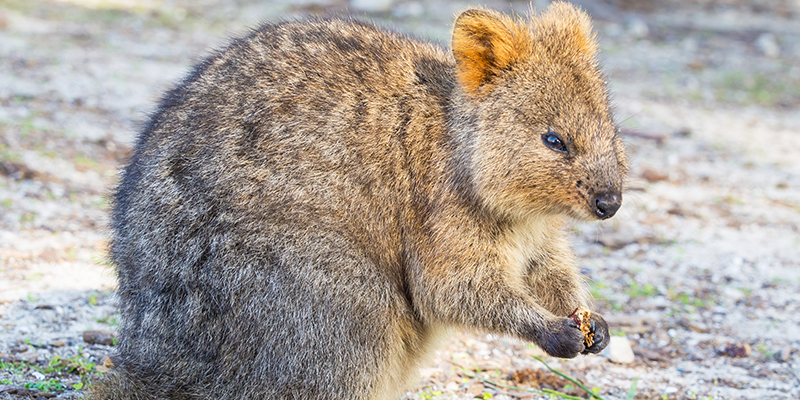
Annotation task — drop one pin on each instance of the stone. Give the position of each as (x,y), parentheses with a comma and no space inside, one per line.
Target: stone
(475,389)
(29,356)
(737,350)
(783,354)
(649,354)
(619,350)
(99,337)
(19,347)
(768,45)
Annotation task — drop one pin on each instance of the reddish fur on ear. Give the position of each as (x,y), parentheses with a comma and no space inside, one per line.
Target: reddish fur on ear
(484,44)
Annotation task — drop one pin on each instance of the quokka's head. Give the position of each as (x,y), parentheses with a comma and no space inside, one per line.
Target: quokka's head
(542,135)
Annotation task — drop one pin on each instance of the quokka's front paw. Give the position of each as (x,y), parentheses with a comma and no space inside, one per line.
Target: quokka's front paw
(561,338)
(600,336)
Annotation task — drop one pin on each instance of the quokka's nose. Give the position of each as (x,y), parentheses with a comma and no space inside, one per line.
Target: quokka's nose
(607,204)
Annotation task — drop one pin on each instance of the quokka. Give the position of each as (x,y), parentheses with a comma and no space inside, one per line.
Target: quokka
(312,208)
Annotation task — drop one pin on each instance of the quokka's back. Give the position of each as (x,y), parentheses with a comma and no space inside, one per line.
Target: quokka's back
(310,210)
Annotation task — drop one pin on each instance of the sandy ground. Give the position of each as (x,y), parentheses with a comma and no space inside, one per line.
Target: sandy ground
(700,270)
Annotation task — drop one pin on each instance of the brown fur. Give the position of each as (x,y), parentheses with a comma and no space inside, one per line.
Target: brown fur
(315,206)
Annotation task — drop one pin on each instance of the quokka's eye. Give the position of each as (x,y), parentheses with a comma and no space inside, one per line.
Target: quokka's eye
(553,141)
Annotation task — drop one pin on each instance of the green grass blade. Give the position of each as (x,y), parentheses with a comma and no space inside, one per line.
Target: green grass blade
(632,390)
(569,378)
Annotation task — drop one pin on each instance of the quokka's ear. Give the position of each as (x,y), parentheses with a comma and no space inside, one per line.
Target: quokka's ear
(484,44)
(566,29)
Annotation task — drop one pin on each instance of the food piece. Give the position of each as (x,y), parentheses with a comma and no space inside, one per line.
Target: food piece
(581,317)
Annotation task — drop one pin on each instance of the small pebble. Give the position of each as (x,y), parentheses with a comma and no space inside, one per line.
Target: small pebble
(619,350)
(784,354)
(99,337)
(738,350)
(768,45)
(29,356)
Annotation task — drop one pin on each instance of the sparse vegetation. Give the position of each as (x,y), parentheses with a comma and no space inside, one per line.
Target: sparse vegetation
(635,290)
(110,320)
(92,300)
(56,375)
(593,393)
